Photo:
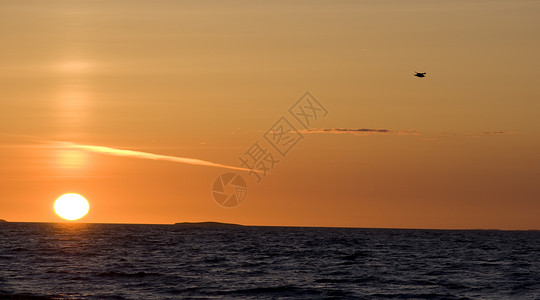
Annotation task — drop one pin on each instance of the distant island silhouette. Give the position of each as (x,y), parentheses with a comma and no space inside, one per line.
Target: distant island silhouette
(3,221)
(208,224)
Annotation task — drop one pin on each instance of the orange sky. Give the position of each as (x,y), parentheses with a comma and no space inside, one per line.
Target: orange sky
(206,79)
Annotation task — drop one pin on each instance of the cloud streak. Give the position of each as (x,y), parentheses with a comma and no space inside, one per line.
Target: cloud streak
(479,134)
(371,131)
(146,155)
(361,131)
(495,133)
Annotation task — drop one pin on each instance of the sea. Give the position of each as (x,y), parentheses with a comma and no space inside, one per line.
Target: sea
(120,261)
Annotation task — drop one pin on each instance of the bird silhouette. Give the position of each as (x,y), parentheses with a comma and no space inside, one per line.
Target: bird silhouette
(419,74)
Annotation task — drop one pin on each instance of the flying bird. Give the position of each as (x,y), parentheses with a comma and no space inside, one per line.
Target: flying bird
(419,74)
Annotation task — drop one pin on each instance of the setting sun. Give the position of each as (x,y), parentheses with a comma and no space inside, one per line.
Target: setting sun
(71,206)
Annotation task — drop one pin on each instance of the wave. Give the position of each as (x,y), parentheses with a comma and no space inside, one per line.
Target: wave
(123,274)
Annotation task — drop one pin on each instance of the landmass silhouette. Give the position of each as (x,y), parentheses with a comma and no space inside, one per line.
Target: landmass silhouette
(208,224)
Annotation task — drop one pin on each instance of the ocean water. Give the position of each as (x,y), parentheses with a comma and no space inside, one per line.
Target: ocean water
(109,261)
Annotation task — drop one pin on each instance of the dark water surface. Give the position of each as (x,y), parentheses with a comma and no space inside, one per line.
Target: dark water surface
(106,261)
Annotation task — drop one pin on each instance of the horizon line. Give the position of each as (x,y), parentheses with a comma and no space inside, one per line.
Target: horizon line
(290,226)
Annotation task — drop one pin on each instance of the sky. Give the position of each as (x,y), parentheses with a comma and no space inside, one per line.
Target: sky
(139,106)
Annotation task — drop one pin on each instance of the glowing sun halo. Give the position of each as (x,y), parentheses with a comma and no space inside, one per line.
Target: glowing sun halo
(71,206)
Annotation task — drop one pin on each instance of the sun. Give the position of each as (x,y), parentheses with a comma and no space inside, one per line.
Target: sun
(71,206)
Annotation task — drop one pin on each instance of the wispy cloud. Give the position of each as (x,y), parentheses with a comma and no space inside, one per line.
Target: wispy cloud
(478,134)
(495,133)
(489,133)
(361,131)
(372,131)
(145,155)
